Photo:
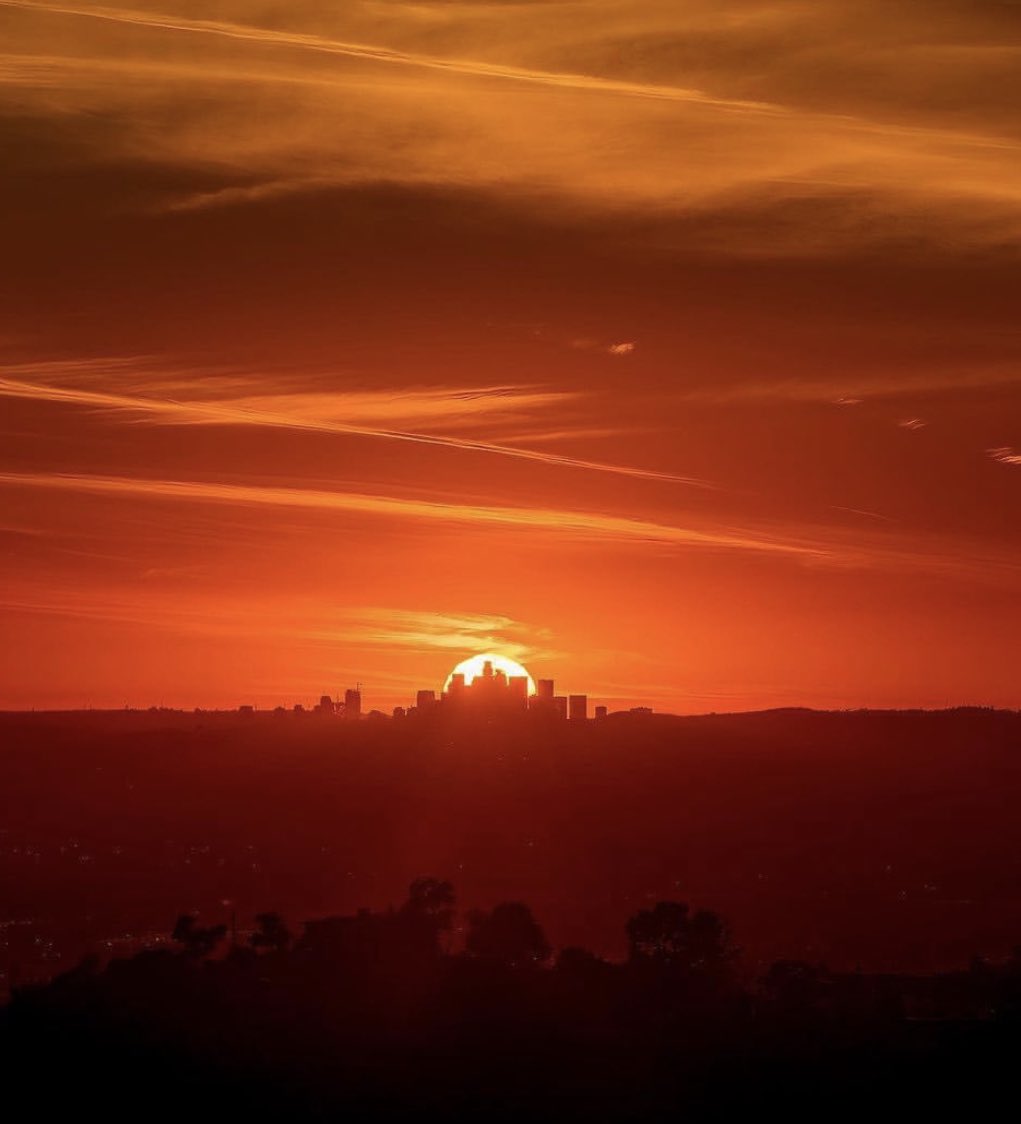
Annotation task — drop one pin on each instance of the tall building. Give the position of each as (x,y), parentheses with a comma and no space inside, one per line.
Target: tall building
(578,707)
(425,700)
(326,705)
(489,689)
(517,688)
(352,703)
(544,690)
(600,712)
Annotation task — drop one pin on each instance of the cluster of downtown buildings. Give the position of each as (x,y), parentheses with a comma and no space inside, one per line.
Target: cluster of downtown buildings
(490,693)
(495,692)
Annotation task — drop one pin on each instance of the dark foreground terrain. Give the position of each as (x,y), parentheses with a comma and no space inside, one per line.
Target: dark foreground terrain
(887,841)
(870,863)
(373,1016)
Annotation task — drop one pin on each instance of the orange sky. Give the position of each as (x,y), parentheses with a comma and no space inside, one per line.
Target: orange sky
(671,348)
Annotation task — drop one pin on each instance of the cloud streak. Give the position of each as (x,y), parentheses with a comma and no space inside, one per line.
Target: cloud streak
(433,118)
(372,53)
(487,70)
(323,412)
(809,545)
(426,630)
(557,523)
(853,389)
(292,620)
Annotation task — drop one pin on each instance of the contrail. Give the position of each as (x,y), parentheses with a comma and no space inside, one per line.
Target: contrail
(477,69)
(585,526)
(373,53)
(577,524)
(226,413)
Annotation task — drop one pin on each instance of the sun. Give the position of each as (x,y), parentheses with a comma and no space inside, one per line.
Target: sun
(471,667)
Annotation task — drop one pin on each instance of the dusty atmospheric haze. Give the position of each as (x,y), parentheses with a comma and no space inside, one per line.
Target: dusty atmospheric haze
(668,347)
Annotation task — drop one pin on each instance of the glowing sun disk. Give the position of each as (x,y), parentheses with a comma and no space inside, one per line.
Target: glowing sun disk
(473,666)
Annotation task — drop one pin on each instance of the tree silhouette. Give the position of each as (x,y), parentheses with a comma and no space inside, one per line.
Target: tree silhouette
(671,935)
(658,933)
(434,899)
(197,941)
(708,948)
(508,934)
(272,933)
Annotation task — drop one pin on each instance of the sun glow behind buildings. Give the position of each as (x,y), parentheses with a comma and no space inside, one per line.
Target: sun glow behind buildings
(474,666)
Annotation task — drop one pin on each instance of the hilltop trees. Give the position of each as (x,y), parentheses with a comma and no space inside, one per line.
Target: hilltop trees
(432,899)
(507,934)
(670,936)
(197,941)
(272,934)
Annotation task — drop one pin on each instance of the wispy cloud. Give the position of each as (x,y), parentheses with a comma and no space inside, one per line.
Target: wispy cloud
(292,620)
(853,389)
(594,433)
(475,68)
(812,545)
(1005,455)
(18,529)
(144,389)
(863,513)
(424,108)
(553,522)
(425,630)
(372,53)
(619,350)
(343,413)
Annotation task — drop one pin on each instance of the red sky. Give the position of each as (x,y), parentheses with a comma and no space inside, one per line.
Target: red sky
(671,348)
